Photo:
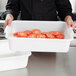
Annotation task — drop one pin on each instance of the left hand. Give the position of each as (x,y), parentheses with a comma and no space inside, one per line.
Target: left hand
(69,21)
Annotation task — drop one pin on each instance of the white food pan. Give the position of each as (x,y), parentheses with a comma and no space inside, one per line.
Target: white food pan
(39,45)
(15,60)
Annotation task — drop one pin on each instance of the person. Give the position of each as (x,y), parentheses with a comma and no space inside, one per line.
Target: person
(46,10)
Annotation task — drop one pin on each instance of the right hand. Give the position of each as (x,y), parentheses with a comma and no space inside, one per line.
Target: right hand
(8,20)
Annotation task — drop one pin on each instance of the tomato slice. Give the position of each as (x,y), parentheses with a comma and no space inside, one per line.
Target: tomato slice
(41,36)
(58,33)
(52,32)
(36,31)
(32,36)
(21,34)
(44,33)
(15,34)
(50,36)
(55,32)
(60,36)
(28,32)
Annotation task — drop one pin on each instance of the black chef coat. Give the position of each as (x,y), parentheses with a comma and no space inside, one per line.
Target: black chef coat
(39,9)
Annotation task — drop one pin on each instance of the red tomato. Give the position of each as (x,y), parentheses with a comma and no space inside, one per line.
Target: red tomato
(50,36)
(58,33)
(60,36)
(27,32)
(21,34)
(44,33)
(36,31)
(32,36)
(55,32)
(41,36)
(15,34)
(52,32)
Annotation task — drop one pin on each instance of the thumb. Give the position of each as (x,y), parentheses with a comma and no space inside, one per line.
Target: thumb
(69,23)
(6,23)
(9,22)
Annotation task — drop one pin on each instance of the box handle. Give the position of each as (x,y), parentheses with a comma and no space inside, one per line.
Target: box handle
(71,32)
(7,31)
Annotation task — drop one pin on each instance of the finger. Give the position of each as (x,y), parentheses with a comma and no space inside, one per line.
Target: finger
(6,23)
(69,23)
(9,22)
(73,25)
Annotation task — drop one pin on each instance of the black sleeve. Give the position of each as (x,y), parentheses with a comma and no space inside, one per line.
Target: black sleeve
(63,8)
(13,8)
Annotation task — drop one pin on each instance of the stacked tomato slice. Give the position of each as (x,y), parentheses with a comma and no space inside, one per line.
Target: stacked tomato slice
(36,33)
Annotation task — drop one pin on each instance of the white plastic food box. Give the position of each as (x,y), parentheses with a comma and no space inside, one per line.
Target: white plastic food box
(4,47)
(14,60)
(39,45)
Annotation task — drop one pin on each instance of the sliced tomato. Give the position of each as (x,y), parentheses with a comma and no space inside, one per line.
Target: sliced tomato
(28,32)
(44,33)
(60,36)
(15,34)
(50,36)
(52,32)
(55,32)
(58,33)
(32,36)
(41,36)
(21,34)
(36,31)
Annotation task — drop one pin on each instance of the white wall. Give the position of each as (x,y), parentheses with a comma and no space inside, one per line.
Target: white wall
(73,2)
(2,5)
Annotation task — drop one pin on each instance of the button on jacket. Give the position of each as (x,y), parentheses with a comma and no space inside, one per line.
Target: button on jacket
(39,9)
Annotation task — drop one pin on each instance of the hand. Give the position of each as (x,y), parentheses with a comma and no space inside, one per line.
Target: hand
(70,21)
(8,20)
